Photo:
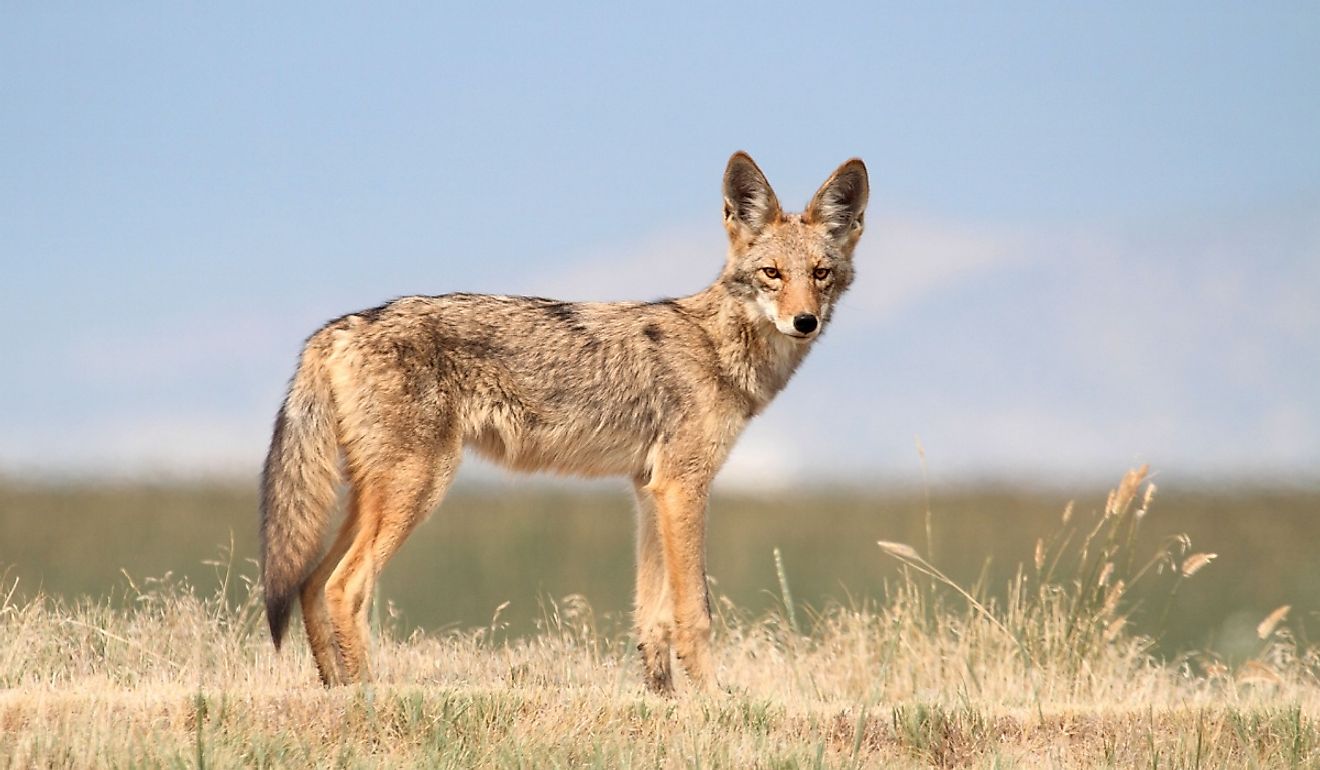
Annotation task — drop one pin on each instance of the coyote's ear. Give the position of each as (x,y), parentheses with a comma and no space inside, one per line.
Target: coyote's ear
(749,203)
(840,203)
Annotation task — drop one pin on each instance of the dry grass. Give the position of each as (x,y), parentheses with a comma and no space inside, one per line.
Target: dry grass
(936,675)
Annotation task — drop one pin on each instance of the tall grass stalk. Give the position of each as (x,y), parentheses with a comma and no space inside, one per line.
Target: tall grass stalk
(789,608)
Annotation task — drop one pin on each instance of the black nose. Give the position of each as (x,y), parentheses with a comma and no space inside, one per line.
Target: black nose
(805,323)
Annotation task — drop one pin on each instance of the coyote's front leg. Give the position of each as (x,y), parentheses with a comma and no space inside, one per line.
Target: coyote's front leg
(653,611)
(681,519)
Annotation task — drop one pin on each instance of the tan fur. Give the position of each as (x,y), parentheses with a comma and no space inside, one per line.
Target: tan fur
(657,392)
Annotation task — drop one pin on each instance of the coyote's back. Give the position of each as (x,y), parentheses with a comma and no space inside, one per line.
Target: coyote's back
(656,391)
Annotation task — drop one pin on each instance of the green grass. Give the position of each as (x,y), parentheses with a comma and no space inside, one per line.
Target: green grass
(519,544)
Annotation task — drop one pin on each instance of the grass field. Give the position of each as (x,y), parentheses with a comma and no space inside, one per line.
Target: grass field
(521,543)
(1041,659)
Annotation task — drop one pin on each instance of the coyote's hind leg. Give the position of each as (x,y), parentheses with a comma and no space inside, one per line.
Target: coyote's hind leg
(391,503)
(316,615)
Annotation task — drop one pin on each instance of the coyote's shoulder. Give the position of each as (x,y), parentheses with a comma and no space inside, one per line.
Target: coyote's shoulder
(653,391)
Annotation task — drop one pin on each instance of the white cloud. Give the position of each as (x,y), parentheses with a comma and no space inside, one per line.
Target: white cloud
(152,444)
(200,344)
(669,263)
(910,257)
(766,460)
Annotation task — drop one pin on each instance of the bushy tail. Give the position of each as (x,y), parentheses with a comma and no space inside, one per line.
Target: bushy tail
(298,487)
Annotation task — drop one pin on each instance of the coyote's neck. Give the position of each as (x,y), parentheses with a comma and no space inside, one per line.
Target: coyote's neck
(754,357)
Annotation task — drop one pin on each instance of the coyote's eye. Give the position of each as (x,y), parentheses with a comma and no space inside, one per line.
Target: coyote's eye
(821,273)
(770,272)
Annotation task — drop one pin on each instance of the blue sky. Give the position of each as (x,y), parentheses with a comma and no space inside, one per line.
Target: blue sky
(1094,231)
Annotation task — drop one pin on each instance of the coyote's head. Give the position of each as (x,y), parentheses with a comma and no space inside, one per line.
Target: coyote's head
(790,269)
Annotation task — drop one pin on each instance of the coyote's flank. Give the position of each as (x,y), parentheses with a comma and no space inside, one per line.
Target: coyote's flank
(654,391)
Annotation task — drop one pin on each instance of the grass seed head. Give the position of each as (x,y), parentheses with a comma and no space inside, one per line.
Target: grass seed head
(1106,573)
(1271,621)
(1196,562)
(899,550)
(1121,498)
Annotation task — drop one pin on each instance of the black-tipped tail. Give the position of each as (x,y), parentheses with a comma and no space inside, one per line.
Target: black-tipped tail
(278,610)
(297,488)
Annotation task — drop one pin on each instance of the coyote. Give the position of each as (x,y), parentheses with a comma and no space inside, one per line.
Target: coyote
(654,391)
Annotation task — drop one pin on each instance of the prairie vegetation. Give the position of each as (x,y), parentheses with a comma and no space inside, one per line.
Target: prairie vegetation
(1050,661)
